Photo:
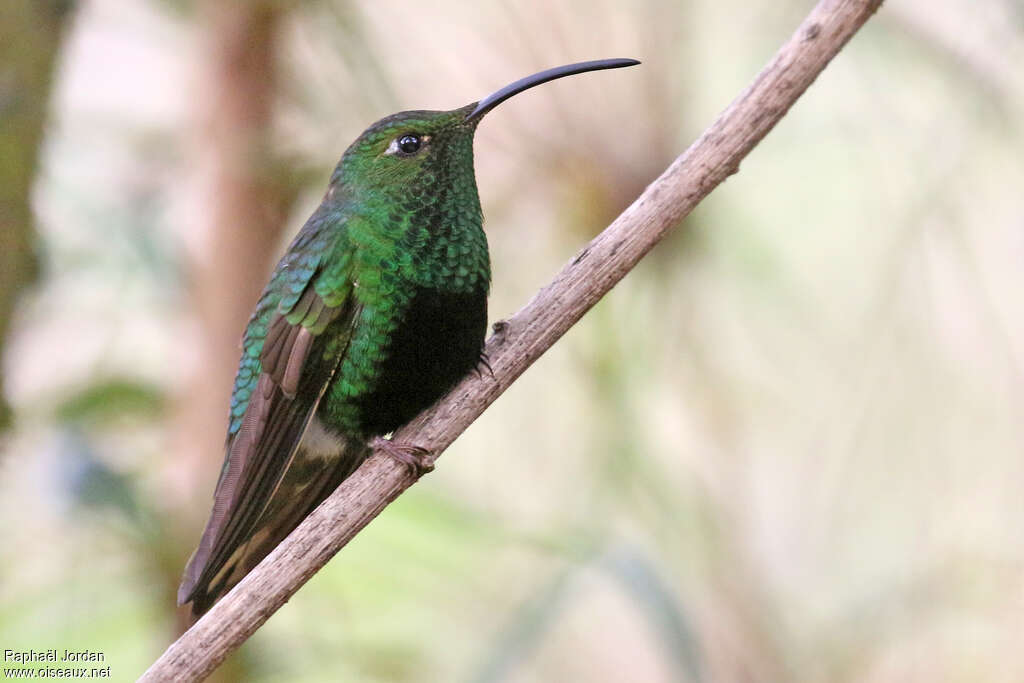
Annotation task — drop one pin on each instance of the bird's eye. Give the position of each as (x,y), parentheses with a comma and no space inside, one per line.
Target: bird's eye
(409,144)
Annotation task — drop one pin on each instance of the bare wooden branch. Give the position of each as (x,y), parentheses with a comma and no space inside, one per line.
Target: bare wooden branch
(518,342)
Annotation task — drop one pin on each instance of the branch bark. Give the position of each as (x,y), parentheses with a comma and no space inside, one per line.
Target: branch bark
(518,342)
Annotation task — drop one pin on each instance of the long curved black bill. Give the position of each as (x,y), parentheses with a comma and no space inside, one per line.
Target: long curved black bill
(494,99)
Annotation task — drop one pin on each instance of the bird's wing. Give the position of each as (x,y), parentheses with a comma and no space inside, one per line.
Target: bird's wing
(295,341)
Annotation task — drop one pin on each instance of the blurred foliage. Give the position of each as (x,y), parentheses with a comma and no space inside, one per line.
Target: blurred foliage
(30,37)
(112,399)
(785,448)
(634,571)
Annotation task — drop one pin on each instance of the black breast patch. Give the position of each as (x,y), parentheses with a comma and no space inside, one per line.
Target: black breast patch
(438,341)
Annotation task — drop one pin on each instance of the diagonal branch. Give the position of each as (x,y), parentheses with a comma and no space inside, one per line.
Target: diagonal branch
(518,342)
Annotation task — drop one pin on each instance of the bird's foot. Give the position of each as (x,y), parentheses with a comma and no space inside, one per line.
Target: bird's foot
(500,327)
(485,362)
(416,458)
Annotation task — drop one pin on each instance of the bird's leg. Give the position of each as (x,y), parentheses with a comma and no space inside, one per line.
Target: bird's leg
(413,457)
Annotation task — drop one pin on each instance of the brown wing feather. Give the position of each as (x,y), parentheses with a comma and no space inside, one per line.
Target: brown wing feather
(224,499)
(295,375)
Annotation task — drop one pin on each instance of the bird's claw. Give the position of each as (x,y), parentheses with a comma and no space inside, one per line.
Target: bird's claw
(486,362)
(415,458)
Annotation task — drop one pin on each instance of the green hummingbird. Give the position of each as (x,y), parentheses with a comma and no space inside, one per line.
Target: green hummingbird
(377,308)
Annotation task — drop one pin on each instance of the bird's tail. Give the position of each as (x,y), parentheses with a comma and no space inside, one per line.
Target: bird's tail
(322,461)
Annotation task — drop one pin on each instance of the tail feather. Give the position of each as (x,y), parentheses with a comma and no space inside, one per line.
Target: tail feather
(322,461)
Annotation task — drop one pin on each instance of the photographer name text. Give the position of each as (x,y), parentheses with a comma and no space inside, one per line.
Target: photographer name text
(52,655)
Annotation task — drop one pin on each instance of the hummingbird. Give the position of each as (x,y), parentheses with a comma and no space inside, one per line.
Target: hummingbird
(377,308)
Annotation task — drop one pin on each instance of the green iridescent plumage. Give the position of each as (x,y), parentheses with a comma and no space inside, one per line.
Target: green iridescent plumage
(426,234)
(377,308)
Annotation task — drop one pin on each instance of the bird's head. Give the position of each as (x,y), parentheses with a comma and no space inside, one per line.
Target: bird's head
(412,151)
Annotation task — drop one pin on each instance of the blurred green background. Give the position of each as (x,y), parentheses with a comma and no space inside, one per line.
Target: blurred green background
(786,448)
